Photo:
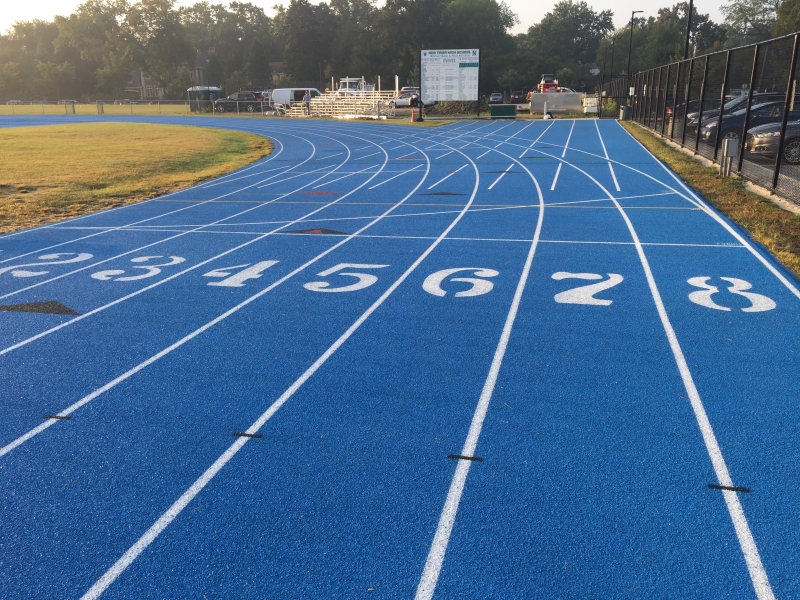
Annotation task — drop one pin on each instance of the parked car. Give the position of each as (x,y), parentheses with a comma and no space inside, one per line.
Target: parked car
(67,102)
(732,105)
(15,102)
(764,140)
(286,96)
(125,101)
(404,99)
(496,98)
(517,96)
(413,89)
(240,102)
(732,124)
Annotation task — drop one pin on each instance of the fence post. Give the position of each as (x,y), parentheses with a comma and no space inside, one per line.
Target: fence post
(643,96)
(717,142)
(790,92)
(702,102)
(686,102)
(674,102)
(747,108)
(664,110)
(661,85)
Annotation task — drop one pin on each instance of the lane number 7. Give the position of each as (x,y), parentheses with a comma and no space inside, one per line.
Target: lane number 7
(585,293)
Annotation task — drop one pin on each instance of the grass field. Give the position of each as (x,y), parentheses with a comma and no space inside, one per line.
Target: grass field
(61,171)
(775,228)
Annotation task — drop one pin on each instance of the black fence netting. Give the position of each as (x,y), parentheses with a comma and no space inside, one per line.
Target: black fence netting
(737,103)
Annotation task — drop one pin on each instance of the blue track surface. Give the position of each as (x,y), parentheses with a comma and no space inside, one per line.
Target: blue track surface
(504,360)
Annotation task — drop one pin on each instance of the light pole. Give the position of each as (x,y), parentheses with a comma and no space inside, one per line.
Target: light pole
(688,30)
(630,44)
(630,48)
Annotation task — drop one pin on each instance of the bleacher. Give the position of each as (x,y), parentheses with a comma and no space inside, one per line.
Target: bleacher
(338,105)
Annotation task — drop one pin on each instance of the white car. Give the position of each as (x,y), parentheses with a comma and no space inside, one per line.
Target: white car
(404,99)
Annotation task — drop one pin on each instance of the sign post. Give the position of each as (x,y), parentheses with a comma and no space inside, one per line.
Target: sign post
(449,75)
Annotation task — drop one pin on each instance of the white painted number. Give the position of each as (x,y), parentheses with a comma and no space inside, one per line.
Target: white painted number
(758,302)
(433,283)
(49,259)
(585,293)
(150,270)
(237,280)
(364,279)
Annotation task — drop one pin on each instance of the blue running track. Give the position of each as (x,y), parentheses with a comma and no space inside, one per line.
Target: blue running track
(487,360)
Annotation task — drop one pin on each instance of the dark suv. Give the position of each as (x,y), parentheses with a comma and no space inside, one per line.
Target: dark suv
(240,102)
(517,97)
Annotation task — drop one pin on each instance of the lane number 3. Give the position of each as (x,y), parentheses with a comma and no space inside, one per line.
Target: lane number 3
(703,297)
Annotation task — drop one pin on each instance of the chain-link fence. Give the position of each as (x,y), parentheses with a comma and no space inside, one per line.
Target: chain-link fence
(745,95)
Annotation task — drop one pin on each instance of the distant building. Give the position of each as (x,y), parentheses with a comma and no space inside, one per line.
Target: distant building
(143,85)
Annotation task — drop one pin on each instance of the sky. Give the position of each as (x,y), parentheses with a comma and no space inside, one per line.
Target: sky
(528,12)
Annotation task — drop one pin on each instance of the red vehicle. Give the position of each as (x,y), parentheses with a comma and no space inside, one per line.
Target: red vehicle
(548,84)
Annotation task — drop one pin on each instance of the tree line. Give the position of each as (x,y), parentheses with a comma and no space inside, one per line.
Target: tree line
(91,53)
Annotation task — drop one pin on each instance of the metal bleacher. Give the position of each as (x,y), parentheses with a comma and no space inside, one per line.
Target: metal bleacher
(338,105)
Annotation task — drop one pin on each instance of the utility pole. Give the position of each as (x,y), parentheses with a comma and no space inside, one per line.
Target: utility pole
(688,30)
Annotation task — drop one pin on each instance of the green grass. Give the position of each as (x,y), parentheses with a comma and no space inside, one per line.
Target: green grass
(775,228)
(54,172)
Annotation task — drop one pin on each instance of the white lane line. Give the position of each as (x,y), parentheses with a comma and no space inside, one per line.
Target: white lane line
(443,155)
(433,563)
(503,174)
(140,248)
(394,177)
(758,574)
(537,139)
(569,137)
(614,177)
(330,156)
(324,183)
(173,511)
(117,228)
(555,179)
(446,177)
(37,430)
(484,154)
(701,203)
(179,273)
(406,155)
(296,175)
(367,156)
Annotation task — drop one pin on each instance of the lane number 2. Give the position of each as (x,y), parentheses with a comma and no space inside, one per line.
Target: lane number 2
(48,259)
(364,279)
(585,294)
(703,297)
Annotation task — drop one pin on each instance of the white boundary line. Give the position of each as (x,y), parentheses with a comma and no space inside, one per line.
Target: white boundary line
(435,559)
(173,511)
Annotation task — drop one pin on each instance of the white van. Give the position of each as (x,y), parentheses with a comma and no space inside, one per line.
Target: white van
(289,95)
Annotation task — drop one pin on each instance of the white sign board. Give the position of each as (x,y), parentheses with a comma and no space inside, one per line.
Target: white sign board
(449,75)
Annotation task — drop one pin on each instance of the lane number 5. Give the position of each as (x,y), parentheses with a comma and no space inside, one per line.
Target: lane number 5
(364,279)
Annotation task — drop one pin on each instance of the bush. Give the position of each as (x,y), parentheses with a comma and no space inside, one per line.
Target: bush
(456,108)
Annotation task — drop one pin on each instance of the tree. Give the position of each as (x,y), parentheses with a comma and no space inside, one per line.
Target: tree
(750,21)
(788,18)
(161,45)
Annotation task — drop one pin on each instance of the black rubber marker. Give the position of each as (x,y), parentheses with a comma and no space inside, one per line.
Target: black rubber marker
(59,417)
(251,435)
(459,457)
(714,486)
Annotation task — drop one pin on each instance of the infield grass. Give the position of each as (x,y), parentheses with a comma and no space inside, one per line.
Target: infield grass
(55,172)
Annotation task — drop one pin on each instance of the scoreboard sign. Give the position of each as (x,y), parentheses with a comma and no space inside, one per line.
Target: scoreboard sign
(449,75)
